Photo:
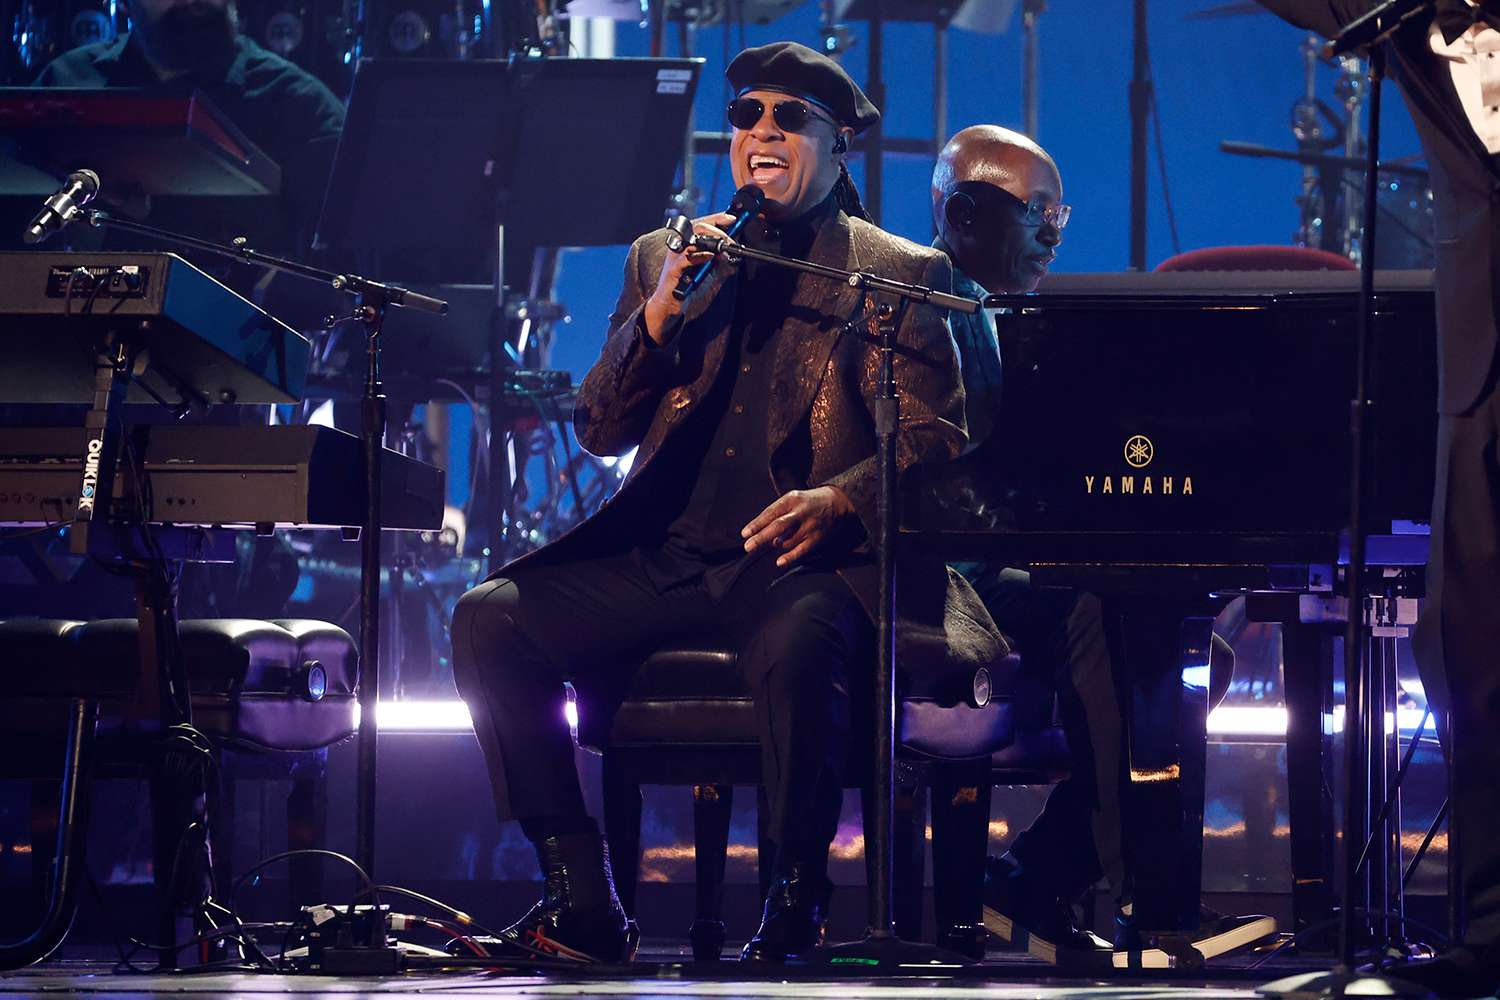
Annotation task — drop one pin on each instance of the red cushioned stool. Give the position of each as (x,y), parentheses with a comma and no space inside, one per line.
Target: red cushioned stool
(1257,258)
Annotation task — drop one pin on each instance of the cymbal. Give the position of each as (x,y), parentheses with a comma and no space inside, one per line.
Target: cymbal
(1235,8)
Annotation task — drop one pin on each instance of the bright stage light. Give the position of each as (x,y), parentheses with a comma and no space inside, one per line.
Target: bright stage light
(1247,720)
(1270,720)
(1226,720)
(438,716)
(1198,676)
(421,716)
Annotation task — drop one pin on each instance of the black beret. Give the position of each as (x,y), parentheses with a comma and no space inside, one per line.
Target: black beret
(801,72)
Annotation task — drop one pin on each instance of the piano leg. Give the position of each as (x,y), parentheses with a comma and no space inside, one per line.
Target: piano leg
(1166,760)
(1307,655)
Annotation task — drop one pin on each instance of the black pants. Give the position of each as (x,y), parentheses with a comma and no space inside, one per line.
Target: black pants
(517,639)
(1458,647)
(1060,634)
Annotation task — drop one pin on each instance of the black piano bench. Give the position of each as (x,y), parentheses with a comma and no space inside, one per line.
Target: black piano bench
(687,719)
(284,685)
(271,696)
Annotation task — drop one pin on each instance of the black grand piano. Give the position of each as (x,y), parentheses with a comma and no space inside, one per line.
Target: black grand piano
(1190,420)
(1172,441)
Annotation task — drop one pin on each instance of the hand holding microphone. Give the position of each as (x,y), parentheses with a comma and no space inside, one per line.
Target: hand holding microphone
(744,206)
(683,237)
(690,275)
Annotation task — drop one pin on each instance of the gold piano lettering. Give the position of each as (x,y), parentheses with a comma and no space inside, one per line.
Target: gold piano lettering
(1145,486)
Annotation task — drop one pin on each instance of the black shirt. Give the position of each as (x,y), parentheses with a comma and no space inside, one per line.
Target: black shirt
(720,465)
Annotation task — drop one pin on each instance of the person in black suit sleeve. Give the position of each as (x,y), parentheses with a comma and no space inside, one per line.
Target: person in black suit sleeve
(1447,64)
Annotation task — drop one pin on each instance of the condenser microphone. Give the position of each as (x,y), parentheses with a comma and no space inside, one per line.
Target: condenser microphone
(60,209)
(744,206)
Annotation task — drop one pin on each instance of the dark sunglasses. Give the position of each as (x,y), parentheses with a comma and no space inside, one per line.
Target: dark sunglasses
(789,115)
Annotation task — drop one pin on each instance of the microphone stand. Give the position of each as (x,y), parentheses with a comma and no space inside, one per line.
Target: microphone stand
(881,950)
(372,299)
(1367,33)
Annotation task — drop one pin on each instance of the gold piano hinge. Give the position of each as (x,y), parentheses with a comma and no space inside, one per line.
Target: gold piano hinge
(1141,777)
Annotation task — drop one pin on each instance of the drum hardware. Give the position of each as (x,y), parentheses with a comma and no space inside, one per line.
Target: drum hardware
(1330,150)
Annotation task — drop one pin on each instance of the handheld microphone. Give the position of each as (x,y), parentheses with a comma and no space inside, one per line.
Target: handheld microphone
(745,205)
(64,206)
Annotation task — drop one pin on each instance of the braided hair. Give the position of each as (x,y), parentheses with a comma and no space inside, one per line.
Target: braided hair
(847,195)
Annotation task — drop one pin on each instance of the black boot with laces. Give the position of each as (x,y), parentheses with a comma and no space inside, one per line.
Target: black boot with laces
(579,917)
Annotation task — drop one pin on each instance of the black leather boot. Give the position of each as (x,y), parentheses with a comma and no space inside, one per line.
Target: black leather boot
(795,918)
(579,916)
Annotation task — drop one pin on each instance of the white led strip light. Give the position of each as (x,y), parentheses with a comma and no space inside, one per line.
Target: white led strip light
(1226,720)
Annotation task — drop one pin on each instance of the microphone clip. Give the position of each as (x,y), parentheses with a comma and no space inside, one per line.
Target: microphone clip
(681,238)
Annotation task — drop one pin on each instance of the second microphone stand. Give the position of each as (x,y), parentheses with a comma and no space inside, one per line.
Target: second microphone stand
(881,949)
(372,299)
(1367,33)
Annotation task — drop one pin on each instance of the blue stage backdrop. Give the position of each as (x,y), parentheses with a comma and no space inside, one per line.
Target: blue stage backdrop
(1216,78)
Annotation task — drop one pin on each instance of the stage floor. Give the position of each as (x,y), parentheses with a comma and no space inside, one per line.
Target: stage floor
(64,981)
(1013,978)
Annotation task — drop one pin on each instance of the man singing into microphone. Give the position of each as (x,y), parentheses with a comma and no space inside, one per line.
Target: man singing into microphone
(747,514)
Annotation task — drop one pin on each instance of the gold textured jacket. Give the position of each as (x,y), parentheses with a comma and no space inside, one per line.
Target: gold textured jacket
(826,366)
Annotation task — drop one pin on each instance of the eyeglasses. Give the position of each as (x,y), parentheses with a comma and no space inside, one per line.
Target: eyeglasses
(1034,213)
(789,115)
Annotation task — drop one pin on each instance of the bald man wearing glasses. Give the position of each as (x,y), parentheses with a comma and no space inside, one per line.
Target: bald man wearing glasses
(998,211)
(746,517)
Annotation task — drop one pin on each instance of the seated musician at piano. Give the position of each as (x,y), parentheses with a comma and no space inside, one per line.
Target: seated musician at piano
(996,206)
(745,517)
(175,47)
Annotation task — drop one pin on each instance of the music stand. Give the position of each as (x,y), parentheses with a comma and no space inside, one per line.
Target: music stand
(490,140)
(438,155)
